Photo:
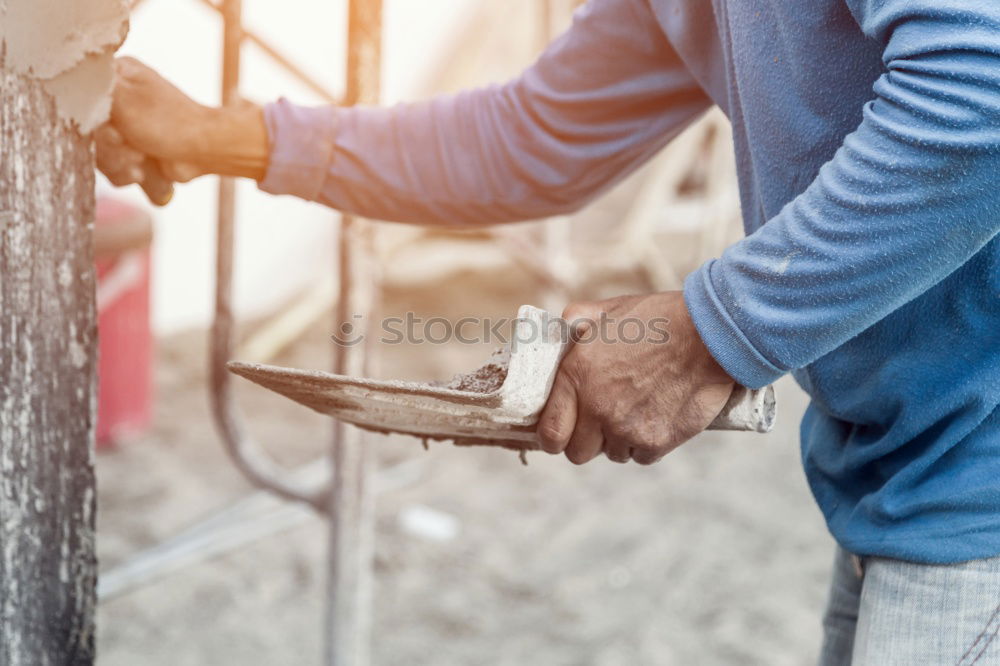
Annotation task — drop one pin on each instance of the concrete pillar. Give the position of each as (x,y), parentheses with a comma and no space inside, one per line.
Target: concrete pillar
(55,75)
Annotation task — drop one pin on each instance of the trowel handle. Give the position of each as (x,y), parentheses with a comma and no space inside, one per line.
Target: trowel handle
(747,410)
(157,187)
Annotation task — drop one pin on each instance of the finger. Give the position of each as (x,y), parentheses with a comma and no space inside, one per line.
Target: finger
(645,443)
(122,172)
(119,162)
(587,440)
(617,449)
(582,320)
(558,420)
(127,66)
(647,456)
(157,187)
(107,135)
(619,455)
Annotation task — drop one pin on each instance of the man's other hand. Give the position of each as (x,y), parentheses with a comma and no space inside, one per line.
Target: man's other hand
(152,118)
(637,383)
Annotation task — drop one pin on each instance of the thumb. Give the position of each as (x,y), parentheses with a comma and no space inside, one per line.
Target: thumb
(558,419)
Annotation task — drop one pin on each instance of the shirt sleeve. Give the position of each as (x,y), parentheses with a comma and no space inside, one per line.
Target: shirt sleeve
(601,100)
(910,196)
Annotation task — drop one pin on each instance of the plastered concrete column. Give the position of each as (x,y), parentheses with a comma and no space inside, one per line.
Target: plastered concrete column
(55,76)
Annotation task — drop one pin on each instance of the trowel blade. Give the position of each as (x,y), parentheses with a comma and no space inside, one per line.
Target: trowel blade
(393,406)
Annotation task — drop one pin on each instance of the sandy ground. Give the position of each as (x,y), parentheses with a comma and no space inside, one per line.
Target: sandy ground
(717,555)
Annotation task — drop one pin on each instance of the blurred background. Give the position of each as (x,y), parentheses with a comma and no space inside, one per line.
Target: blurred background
(717,555)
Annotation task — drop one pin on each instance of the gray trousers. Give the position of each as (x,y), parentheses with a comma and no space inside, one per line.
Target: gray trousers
(885,612)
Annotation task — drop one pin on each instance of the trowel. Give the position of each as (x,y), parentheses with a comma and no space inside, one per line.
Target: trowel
(497,404)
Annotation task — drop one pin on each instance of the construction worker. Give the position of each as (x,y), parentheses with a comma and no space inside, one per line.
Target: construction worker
(867,137)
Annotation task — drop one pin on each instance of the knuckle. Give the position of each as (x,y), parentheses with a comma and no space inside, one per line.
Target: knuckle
(648,457)
(179,172)
(174,172)
(116,173)
(131,155)
(622,434)
(617,456)
(574,370)
(676,436)
(127,65)
(580,312)
(646,453)
(616,450)
(572,311)
(108,136)
(552,435)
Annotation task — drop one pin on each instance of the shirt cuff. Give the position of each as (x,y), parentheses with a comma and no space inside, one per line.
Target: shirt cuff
(726,342)
(301,142)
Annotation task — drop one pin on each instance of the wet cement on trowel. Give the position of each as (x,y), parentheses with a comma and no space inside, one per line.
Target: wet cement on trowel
(487,378)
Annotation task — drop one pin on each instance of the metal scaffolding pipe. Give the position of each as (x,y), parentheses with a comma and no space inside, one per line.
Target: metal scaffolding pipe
(278,57)
(351,502)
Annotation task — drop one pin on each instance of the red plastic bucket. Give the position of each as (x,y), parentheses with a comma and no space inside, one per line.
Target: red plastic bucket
(122,238)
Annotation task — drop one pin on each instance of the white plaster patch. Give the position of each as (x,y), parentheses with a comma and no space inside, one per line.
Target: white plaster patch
(69,46)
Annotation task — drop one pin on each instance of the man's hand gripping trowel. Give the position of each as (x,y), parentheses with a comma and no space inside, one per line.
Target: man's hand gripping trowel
(497,404)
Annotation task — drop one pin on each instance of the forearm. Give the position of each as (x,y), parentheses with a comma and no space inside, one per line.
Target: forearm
(601,100)
(909,198)
(229,141)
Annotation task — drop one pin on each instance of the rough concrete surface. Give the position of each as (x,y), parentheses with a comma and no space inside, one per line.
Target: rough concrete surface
(47,324)
(716,556)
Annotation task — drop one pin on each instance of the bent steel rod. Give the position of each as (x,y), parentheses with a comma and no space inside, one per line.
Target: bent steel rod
(247,455)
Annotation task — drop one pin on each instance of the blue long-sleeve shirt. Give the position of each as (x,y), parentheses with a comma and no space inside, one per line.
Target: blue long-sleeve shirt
(868,146)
